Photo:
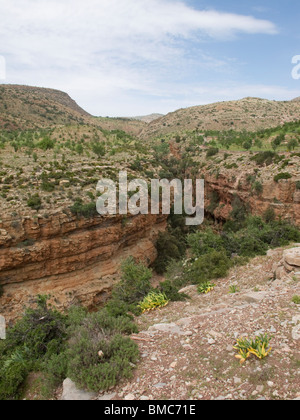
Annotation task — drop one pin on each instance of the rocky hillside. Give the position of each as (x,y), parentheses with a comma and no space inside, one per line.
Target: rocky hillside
(187,348)
(50,237)
(31,107)
(27,107)
(256,186)
(249,114)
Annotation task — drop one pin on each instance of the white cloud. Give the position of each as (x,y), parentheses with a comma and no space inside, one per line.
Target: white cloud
(107,49)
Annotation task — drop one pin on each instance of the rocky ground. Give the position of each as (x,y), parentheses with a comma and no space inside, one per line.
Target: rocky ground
(187,348)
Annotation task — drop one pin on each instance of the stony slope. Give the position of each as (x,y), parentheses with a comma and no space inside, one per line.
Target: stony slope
(249,114)
(30,107)
(27,107)
(187,348)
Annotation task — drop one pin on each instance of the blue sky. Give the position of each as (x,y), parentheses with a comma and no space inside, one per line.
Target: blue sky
(135,57)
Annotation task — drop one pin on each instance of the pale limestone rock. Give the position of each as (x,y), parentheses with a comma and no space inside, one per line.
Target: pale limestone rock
(292,257)
(71,393)
(167,328)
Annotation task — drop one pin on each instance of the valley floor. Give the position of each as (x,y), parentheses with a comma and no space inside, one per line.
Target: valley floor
(187,348)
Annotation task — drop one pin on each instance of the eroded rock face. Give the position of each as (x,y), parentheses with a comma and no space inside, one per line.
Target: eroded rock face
(74,260)
(282,197)
(292,257)
(289,265)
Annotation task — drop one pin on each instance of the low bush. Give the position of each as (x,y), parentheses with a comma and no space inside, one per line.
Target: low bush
(265,158)
(258,187)
(35,202)
(254,238)
(91,349)
(213,151)
(269,215)
(135,282)
(296,300)
(283,175)
(169,247)
(98,353)
(84,210)
(37,337)
(204,242)
(40,331)
(171,291)
(46,144)
(11,380)
(214,201)
(213,265)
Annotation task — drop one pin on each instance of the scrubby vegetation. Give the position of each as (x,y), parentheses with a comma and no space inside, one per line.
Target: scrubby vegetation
(215,251)
(280,176)
(93,349)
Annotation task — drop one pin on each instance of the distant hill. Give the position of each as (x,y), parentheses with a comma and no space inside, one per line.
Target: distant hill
(148,118)
(26,107)
(249,114)
(31,107)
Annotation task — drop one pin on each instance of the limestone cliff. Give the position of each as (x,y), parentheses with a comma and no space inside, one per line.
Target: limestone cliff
(74,260)
(282,196)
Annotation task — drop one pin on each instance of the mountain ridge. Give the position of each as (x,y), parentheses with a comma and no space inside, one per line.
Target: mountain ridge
(250,114)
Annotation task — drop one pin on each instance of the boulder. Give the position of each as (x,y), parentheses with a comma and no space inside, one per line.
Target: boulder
(171,328)
(71,393)
(292,257)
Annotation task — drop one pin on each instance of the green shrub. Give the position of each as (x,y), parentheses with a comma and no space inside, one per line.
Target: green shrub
(171,291)
(258,187)
(296,300)
(36,338)
(209,267)
(11,380)
(204,242)
(98,355)
(269,215)
(214,201)
(169,247)
(35,202)
(85,210)
(213,151)
(48,186)
(283,175)
(265,158)
(239,212)
(55,369)
(298,185)
(46,144)
(134,284)
(40,331)
(98,149)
